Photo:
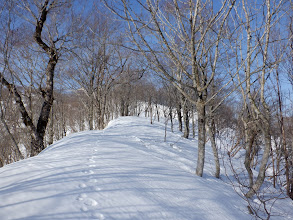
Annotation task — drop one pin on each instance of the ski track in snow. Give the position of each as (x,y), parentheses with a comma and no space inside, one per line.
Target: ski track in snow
(123,172)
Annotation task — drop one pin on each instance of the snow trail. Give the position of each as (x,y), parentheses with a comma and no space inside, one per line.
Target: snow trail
(123,172)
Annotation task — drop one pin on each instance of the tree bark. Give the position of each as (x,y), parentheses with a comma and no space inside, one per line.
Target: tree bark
(150,109)
(91,112)
(171,118)
(200,106)
(212,134)
(261,175)
(179,115)
(193,122)
(51,128)
(247,163)
(185,118)
(15,145)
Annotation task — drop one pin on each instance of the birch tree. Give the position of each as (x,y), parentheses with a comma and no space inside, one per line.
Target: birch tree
(187,34)
(253,66)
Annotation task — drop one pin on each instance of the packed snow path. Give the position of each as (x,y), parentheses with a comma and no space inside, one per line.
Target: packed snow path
(123,172)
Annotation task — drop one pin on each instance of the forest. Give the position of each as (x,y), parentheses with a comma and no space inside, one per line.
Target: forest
(222,69)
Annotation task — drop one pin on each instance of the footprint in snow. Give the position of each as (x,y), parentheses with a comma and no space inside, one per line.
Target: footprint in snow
(91,160)
(98,216)
(175,147)
(88,172)
(93,181)
(84,209)
(97,188)
(81,197)
(82,185)
(90,202)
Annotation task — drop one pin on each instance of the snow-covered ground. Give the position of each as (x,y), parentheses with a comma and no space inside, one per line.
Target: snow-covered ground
(126,171)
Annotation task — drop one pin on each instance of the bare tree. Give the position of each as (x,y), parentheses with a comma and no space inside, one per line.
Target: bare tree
(186,34)
(51,44)
(252,43)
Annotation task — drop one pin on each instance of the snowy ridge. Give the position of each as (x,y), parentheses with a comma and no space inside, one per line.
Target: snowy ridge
(123,172)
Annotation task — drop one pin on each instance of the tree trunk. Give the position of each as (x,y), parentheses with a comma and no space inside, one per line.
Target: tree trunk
(103,112)
(179,115)
(261,175)
(200,105)
(247,163)
(185,118)
(193,122)
(122,106)
(39,134)
(158,113)
(212,133)
(37,145)
(47,104)
(126,108)
(99,115)
(51,127)
(151,110)
(91,112)
(171,118)
(15,145)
